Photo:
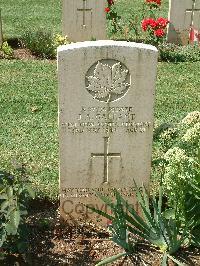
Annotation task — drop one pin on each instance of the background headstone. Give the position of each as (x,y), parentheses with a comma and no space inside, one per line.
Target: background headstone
(184,17)
(84,20)
(106,98)
(1,30)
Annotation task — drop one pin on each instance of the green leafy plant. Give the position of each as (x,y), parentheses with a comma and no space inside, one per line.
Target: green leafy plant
(154,28)
(14,192)
(191,211)
(180,157)
(43,43)
(6,51)
(121,26)
(162,229)
(40,43)
(112,17)
(175,53)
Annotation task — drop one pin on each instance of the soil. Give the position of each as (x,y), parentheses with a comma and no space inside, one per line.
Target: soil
(23,54)
(53,243)
(19,51)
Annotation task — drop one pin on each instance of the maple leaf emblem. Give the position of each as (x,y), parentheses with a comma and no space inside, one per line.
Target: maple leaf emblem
(108,82)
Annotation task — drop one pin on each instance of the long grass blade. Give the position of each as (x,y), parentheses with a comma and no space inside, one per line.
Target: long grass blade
(104,214)
(137,232)
(111,259)
(140,222)
(176,261)
(164,260)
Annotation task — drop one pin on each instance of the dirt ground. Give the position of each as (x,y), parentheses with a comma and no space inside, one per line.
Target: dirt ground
(53,243)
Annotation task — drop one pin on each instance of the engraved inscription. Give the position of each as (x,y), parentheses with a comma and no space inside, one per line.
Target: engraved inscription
(106,120)
(107,80)
(91,192)
(73,199)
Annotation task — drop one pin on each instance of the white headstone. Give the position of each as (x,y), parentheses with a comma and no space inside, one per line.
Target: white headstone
(184,17)
(106,98)
(84,20)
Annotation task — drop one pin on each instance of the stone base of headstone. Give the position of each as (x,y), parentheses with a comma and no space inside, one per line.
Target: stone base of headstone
(75,209)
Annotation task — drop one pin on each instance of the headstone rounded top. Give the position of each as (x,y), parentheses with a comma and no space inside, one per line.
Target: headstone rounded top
(104,43)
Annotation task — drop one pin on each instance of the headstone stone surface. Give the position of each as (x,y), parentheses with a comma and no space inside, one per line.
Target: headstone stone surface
(84,20)
(184,17)
(106,98)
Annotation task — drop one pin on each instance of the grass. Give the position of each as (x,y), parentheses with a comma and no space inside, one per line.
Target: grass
(22,15)
(28,116)
(28,113)
(128,7)
(177,90)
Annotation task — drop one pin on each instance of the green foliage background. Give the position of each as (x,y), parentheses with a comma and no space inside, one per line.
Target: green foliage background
(22,15)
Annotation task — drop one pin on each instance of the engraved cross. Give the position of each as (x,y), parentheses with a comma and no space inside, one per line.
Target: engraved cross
(84,10)
(106,155)
(193,10)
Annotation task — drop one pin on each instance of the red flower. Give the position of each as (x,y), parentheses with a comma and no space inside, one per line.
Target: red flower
(152,23)
(107,9)
(149,22)
(111,2)
(144,25)
(162,22)
(159,33)
(155,26)
(158,2)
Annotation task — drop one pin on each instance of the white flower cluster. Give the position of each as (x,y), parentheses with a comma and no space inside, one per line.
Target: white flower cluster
(175,154)
(192,118)
(182,158)
(179,169)
(192,134)
(169,133)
